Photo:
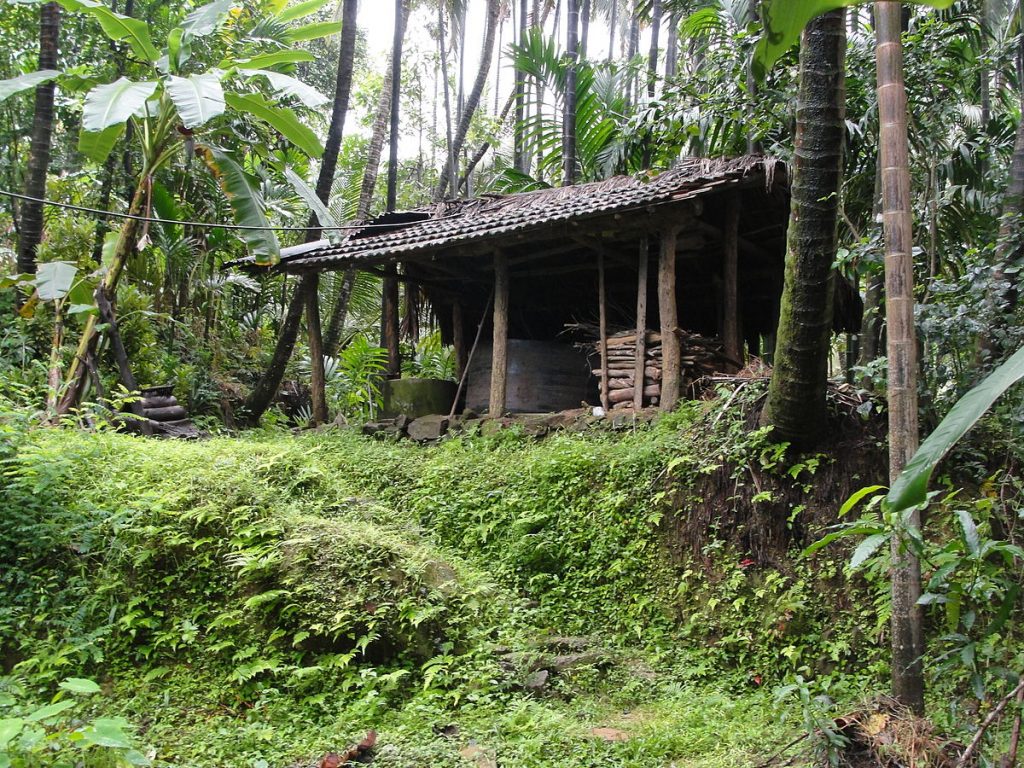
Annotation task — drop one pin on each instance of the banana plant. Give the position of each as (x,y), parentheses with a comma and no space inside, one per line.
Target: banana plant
(177,108)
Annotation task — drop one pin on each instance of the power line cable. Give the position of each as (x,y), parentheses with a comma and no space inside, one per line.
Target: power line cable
(205,224)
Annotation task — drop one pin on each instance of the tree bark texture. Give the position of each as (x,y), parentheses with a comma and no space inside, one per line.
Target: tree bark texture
(669,316)
(472,101)
(641,321)
(796,395)
(901,344)
(266,388)
(31,225)
(499,339)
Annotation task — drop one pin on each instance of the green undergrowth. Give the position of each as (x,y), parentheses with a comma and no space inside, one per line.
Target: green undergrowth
(271,596)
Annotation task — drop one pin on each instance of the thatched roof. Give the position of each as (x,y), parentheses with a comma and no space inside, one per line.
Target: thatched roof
(409,235)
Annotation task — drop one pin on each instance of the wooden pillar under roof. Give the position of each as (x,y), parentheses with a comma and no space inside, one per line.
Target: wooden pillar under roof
(458,339)
(731,332)
(499,347)
(602,305)
(669,315)
(389,322)
(641,324)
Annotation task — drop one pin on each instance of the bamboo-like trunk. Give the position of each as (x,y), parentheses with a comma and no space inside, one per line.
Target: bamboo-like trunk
(31,224)
(74,386)
(796,394)
(901,338)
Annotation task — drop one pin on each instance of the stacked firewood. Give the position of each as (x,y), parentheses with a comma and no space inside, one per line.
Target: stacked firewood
(622,369)
(699,356)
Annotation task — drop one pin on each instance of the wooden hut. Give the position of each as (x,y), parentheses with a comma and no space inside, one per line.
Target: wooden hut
(693,253)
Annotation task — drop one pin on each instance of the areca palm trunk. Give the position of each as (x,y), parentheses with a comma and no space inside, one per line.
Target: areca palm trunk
(901,345)
(652,57)
(31,225)
(324,182)
(371,170)
(796,394)
(472,101)
(519,152)
(569,116)
(306,296)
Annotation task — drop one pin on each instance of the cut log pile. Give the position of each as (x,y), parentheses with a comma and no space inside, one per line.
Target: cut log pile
(701,356)
(164,415)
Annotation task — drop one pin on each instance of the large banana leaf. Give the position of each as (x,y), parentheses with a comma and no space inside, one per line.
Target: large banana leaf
(118,27)
(206,19)
(301,11)
(784,20)
(286,85)
(198,98)
(313,31)
(246,204)
(911,487)
(96,145)
(113,103)
(283,120)
(54,279)
(323,215)
(23,82)
(270,59)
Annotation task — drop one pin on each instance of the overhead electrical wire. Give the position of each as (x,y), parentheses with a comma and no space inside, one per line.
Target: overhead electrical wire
(204,224)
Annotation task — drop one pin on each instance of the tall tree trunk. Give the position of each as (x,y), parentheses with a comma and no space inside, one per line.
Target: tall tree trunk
(652,56)
(369,184)
(519,153)
(306,294)
(493,7)
(389,304)
(753,144)
(584,29)
(672,47)
(569,116)
(901,345)
(31,225)
(448,176)
(612,24)
(796,395)
(324,182)
(631,50)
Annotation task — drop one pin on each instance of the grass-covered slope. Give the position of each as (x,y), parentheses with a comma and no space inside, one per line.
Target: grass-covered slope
(267,597)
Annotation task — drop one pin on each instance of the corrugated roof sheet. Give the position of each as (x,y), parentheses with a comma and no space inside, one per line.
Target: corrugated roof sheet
(464,221)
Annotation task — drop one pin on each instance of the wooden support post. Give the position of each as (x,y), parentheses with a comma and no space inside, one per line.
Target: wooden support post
(602,309)
(389,322)
(459,339)
(121,357)
(499,349)
(314,334)
(641,324)
(469,358)
(670,351)
(731,334)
